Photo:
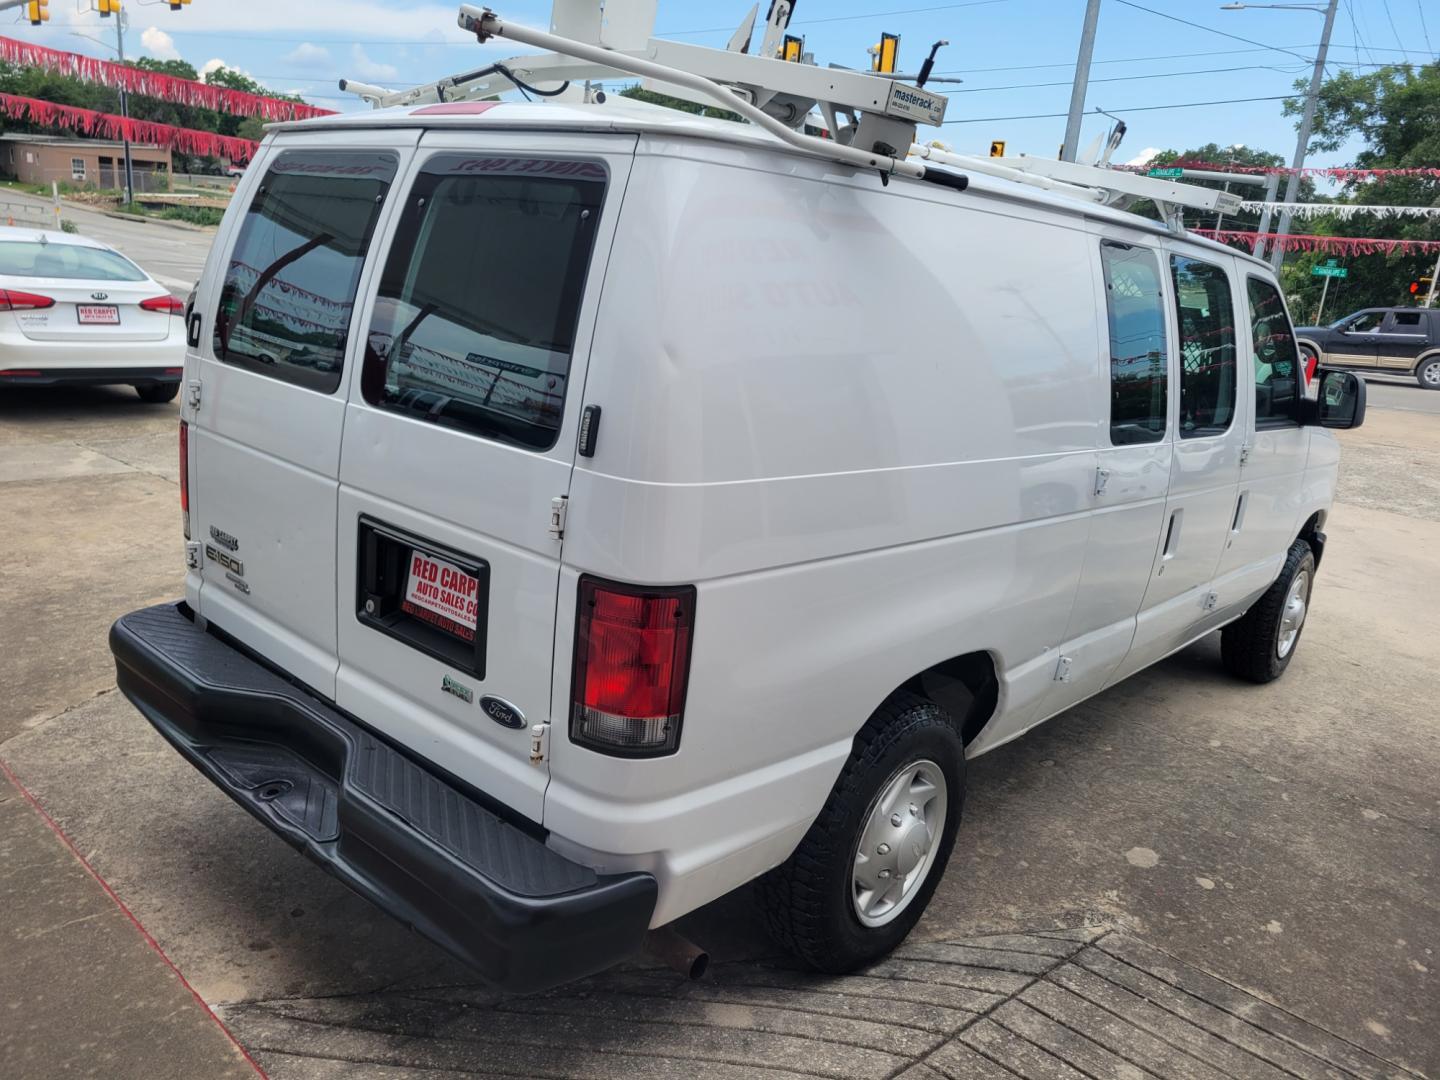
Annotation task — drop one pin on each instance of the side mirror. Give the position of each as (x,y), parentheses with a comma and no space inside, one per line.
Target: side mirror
(1340,402)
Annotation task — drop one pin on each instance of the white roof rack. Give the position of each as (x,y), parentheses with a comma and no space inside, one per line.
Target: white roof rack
(603,39)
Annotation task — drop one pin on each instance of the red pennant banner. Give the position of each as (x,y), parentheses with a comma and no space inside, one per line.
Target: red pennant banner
(153,84)
(109,126)
(1343,175)
(1330,245)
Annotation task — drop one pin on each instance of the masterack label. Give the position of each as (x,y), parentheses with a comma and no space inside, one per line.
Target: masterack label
(912,103)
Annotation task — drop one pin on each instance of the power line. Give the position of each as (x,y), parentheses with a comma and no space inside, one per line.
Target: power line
(1212,30)
(1120,78)
(1390,18)
(1425,30)
(1137,108)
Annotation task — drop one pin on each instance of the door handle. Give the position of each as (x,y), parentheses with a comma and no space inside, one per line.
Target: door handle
(192,330)
(1172,535)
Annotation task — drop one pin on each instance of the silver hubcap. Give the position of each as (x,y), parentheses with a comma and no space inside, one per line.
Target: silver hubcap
(1297,603)
(1431,373)
(898,843)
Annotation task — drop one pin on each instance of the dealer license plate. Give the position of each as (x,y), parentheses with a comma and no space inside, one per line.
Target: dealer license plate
(440,593)
(98,314)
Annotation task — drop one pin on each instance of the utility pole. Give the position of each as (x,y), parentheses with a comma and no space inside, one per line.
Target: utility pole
(120,20)
(1302,144)
(1430,296)
(1082,81)
(1272,185)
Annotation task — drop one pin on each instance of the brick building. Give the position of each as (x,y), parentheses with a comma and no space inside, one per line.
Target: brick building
(82,163)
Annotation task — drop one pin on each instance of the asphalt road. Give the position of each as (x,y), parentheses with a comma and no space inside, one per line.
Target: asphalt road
(174,256)
(1393,393)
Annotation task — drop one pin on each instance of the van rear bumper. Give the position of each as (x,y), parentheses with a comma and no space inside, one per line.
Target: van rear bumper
(393,828)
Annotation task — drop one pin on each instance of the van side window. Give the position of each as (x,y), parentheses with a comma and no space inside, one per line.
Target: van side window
(1138,358)
(475,318)
(1277,365)
(1206,316)
(290,284)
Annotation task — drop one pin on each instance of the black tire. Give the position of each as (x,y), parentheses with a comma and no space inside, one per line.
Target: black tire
(807,902)
(1427,373)
(158,393)
(1250,646)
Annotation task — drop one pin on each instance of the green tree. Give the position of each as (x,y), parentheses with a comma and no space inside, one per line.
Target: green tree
(639,93)
(1221,156)
(1395,112)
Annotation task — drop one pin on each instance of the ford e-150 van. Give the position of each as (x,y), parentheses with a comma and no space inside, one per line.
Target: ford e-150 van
(591,509)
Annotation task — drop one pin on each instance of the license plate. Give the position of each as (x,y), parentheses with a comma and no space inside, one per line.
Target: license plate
(98,314)
(440,593)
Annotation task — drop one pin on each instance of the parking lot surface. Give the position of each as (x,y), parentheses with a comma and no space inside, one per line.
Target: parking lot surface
(1184,877)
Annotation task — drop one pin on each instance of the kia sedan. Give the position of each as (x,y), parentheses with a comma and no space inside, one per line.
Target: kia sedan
(73,311)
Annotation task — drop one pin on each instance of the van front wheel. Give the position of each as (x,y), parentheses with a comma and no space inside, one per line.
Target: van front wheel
(1258,646)
(862,875)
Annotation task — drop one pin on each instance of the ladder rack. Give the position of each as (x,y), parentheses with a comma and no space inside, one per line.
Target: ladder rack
(605,39)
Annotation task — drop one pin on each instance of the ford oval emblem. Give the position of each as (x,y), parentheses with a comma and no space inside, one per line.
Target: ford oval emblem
(502,712)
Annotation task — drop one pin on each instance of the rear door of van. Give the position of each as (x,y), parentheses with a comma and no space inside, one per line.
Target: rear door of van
(460,438)
(277,322)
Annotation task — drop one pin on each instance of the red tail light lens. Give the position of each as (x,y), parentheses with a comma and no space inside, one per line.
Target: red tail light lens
(11,300)
(167,304)
(632,664)
(185,476)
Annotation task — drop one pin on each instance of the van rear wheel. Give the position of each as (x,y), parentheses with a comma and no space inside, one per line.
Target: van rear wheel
(1259,645)
(862,875)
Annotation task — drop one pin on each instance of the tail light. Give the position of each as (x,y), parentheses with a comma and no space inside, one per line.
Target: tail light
(166,305)
(11,300)
(185,476)
(632,664)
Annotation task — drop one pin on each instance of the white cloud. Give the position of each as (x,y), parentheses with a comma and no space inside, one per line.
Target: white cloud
(1143,158)
(215,63)
(307,55)
(364,68)
(159,44)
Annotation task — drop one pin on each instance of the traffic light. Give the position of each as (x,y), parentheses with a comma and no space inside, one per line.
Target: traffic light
(39,11)
(792,48)
(176,5)
(107,8)
(1419,285)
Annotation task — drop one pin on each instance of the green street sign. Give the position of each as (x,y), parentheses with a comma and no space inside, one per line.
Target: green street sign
(1329,271)
(1168,173)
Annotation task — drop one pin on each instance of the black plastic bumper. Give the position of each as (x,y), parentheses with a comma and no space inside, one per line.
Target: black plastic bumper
(391,827)
(23,376)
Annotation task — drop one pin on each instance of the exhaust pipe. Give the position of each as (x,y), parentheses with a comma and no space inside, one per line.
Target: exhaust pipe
(678,953)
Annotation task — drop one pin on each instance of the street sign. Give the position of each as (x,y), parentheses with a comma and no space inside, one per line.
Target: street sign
(1329,271)
(1167,173)
(997,147)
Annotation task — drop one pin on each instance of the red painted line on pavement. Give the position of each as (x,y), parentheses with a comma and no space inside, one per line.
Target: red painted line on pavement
(155,945)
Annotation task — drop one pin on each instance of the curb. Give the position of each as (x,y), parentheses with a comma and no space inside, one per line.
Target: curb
(185,225)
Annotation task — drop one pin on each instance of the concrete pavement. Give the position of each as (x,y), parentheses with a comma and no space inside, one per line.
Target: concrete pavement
(1277,845)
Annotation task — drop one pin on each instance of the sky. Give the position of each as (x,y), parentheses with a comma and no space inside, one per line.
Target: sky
(1016,57)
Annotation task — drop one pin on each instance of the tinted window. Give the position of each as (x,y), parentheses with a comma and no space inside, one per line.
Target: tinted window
(1406,322)
(30,258)
(1137,343)
(1276,364)
(1206,317)
(475,318)
(290,286)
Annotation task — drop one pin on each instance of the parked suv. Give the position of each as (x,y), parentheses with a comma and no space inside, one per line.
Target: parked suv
(592,508)
(1386,341)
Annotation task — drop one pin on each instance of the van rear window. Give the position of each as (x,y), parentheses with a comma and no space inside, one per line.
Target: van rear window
(290,284)
(475,318)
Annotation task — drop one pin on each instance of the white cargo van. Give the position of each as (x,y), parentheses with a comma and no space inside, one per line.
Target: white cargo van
(592,509)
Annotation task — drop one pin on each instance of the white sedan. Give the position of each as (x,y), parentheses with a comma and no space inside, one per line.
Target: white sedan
(75,311)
